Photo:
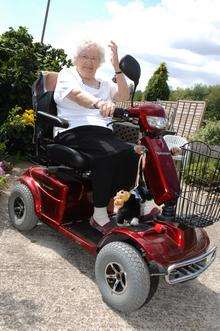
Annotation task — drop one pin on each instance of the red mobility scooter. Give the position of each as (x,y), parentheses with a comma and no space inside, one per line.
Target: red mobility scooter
(130,259)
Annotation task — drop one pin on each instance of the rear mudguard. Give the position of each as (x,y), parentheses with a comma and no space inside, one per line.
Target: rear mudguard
(49,194)
(27,180)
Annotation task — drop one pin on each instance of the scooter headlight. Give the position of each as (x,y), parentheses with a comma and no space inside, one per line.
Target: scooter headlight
(157,122)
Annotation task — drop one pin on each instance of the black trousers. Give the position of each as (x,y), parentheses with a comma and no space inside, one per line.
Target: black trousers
(113,162)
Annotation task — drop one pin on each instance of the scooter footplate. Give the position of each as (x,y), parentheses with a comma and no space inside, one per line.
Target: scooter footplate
(84,230)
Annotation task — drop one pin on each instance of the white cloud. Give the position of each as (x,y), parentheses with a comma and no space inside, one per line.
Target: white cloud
(173,31)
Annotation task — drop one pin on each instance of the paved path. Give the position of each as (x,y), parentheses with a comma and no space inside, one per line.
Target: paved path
(47,283)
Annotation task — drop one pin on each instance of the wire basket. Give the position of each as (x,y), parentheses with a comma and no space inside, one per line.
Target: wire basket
(199,201)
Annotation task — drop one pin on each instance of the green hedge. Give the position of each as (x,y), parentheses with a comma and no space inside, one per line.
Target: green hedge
(202,172)
(210,134)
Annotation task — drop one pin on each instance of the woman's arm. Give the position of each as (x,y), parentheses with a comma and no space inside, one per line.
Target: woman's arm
(83,98)
(68,87)
(123,93)
(87,100)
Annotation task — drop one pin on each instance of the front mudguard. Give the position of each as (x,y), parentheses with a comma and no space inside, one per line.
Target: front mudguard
(162,248)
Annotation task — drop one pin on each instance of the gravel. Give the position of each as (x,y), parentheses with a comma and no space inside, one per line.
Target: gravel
(47,283)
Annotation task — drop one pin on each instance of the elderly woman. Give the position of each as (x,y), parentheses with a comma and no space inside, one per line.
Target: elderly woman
(87,103)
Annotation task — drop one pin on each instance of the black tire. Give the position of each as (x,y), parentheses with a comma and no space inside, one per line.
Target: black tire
(154,282)
(134,287)
(21,208)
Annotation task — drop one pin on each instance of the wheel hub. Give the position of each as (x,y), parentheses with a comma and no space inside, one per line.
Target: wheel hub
(19,207)
(116,277)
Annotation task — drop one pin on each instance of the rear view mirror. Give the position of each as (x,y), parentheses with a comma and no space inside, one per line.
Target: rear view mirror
(131,68)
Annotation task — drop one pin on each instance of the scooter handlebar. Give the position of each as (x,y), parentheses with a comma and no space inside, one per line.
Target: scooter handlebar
(121,113)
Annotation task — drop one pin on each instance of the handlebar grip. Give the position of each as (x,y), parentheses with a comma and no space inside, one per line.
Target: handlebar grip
(121,113)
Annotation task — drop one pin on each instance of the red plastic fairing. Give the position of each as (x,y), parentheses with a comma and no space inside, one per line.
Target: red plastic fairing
(148,109)
(48,190)
(31,184)
(160,171)
(166,247)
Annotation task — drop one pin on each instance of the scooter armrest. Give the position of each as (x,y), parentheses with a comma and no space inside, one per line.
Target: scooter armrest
(54,120)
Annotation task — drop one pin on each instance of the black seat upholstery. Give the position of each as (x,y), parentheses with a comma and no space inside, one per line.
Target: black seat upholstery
(47,151)
(64,155)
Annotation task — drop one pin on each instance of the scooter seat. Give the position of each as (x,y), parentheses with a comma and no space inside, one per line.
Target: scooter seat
(63,155)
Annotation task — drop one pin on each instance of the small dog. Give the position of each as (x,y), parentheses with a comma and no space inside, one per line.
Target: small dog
(128,208)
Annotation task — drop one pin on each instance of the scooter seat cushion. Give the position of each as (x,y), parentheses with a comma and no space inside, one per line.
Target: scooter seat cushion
(63,155)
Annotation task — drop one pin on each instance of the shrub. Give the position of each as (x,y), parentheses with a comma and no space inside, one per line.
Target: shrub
(16,132)
(20,61)
(202,172)
(3,181)
(209,134)
(3,153)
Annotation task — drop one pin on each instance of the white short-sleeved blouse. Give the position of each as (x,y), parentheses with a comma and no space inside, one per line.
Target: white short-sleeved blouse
(69,79)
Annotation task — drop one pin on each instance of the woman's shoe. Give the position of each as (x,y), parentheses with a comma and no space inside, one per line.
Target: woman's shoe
(101,228)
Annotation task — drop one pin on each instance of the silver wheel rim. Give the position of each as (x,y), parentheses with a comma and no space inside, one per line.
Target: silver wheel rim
(116,277)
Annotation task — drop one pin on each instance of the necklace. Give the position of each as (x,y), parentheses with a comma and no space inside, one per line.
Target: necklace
(95,85)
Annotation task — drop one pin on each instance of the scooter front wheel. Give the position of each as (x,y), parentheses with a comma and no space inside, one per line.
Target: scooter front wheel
(123,277)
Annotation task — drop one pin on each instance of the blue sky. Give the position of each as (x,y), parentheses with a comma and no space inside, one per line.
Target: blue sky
(31,14)
(184,34)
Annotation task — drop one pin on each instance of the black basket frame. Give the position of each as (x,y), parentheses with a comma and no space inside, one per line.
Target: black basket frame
(199,201)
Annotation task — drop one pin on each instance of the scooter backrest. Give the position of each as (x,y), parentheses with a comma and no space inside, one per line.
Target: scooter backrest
(42,97)
(43,91)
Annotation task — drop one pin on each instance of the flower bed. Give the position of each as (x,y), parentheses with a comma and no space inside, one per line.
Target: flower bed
(5,169)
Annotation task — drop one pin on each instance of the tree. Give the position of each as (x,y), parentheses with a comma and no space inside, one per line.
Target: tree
(213,103)
(138,95)
(181,94)
(157,87)
(20,61)
(198,92)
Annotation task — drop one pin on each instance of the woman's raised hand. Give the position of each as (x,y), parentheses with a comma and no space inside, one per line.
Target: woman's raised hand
(114,55)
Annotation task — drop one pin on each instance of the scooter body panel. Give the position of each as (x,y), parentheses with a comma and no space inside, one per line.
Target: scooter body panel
(54,200)
(162,242)
(160,172)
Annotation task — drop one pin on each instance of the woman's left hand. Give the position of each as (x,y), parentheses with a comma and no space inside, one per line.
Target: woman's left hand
(106,108)
(114,55)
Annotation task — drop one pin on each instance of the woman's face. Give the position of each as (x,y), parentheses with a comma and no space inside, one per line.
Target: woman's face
(88,61)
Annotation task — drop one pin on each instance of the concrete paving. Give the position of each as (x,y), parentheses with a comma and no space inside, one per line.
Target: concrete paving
(47,283)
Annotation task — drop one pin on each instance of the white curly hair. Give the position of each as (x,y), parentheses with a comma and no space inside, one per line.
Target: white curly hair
(87,43)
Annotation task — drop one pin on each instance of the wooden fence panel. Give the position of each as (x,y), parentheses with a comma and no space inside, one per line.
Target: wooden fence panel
(188,117)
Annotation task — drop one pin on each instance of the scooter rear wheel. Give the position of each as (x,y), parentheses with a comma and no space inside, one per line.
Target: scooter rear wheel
(123,277)
(21,208)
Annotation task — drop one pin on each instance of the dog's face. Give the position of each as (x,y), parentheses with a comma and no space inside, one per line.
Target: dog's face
(121,197)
